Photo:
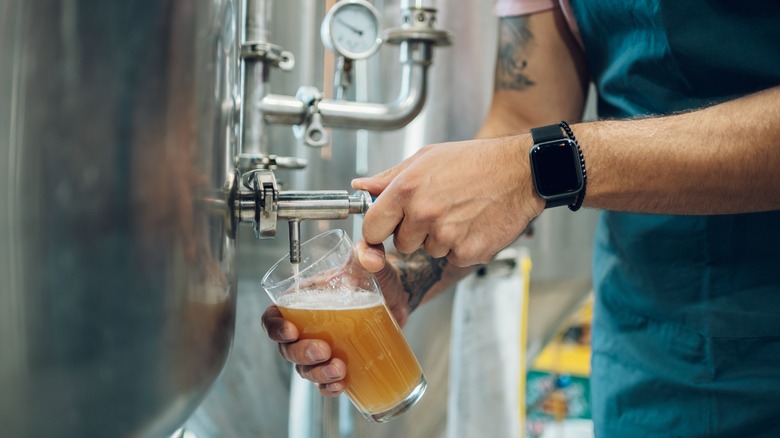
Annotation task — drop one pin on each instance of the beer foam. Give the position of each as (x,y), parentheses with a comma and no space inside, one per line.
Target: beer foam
(329,299)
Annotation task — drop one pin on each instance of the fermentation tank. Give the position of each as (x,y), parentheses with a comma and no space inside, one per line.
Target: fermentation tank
(117,279)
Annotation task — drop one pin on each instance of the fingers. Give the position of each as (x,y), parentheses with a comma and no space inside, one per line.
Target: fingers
(329,375)
(387,211)
(435,248)
(278,328)
(409,235)
(381,219)
(371,257)
(332,389)
(306,351)
(312,357)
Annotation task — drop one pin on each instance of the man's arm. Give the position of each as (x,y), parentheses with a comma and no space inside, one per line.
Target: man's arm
(716,160)
(540,75)
(539,78)
(449,198)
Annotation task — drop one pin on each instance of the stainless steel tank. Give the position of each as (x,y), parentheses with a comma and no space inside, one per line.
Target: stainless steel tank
(117,284)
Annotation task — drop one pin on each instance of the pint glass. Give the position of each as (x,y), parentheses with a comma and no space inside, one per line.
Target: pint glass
(330,296)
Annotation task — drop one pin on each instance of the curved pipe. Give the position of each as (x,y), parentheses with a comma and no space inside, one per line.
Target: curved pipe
(394,115)
(416,57)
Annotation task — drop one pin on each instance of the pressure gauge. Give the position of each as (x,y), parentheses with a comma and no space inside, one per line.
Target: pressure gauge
(351,29)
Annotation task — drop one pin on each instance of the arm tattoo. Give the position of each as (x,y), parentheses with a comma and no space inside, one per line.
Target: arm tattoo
(418,273)
(514,43)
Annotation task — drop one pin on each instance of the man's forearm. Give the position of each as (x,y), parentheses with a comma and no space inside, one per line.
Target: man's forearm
(717,160)
(423,276)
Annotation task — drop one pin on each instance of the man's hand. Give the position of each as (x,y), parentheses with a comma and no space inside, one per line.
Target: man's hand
(464,201)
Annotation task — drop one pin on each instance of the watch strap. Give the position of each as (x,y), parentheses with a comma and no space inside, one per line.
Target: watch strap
(544,134)
(560,202)
(547,133)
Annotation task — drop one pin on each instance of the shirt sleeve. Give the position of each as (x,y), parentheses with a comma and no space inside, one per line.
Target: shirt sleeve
(510,8)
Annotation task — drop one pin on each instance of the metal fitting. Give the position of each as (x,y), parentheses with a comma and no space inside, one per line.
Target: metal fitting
(269,54)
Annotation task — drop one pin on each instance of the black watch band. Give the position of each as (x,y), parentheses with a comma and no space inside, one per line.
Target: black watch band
(555,134)
(547,133)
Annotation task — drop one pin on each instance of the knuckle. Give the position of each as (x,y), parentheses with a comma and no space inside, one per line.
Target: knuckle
(434,248)
(447,236)
(404,188)
(429,213)
(425,149)
(462,256)
(402,245)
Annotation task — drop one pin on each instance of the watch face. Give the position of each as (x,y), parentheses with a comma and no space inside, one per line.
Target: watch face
(556,168)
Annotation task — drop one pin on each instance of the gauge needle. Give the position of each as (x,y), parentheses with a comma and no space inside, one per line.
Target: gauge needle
(350,27)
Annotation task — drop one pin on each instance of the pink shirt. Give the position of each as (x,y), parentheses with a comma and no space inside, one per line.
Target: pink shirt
(510,8)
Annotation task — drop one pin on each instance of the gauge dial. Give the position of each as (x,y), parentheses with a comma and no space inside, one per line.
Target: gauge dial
(351,29)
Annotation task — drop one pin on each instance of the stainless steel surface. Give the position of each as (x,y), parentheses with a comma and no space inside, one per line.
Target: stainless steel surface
(270,162)
(255,72)
(117,286)
(294,234)
(416,37)
(257,200)
(363,115)
(321,204)
(251,397)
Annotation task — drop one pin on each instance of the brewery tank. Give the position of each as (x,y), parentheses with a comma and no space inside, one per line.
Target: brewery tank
(117,278)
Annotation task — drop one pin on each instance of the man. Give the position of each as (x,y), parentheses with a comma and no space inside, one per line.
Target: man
(686,266)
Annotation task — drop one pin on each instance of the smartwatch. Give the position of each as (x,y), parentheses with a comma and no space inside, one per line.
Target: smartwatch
(557,167)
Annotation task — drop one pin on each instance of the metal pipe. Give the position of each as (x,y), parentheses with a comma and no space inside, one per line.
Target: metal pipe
(415,56)
(295,240)
(254,136)
(320,204)
(258,16)
(296,206)
(418,4)
(359,115)
(283,110)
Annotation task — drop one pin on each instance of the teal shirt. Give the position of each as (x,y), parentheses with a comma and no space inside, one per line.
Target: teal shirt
(686,331)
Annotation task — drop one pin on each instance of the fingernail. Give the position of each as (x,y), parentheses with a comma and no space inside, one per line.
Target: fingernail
(284,335)
(333,387)
(315,354)
(373,255)
(331,372)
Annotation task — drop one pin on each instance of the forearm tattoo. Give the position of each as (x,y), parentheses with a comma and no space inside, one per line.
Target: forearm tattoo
(514,43)
(418,273)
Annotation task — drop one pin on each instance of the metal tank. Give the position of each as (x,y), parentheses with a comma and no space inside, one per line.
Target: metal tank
(117,279)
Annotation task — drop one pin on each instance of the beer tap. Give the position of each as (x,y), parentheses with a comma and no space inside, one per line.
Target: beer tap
(255,197)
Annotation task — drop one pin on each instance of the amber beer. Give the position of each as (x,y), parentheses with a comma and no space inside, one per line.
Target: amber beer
(382,372)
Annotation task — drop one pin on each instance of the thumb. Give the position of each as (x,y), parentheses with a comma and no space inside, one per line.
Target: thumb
(371,257)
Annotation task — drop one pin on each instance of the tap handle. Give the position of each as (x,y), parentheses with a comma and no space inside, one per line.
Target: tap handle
(360,202)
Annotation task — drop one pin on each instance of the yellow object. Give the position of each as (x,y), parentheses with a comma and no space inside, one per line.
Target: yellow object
(561,358)
(525,270)
(568,358)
